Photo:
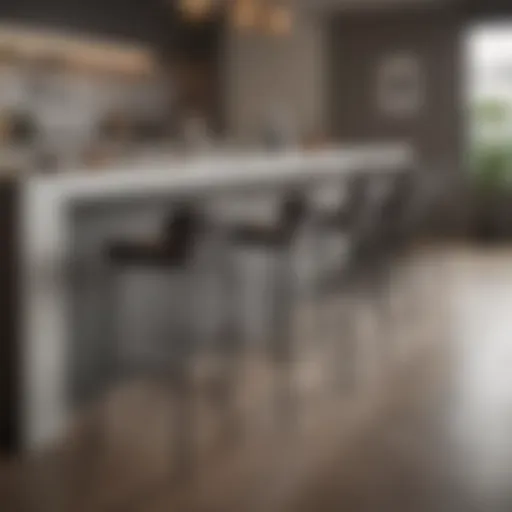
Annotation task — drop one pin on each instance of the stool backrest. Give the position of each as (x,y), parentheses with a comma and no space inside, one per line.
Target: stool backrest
(181,228)
(399,195)
(404,209)
(371,220)
(356,197)
(293,211)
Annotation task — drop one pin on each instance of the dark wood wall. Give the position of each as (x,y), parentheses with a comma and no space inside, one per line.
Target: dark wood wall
(146,20)
(10,350)
(482,10)
(151,21)
(359,44)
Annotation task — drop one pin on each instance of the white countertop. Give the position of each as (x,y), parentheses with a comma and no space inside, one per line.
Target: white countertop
(216,172)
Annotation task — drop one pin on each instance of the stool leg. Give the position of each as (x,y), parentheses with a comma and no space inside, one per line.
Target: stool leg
(345,345)
(386,318)
(229,349)
(108,370)
(181,381)
(95,440)
(183,420)
(282,343)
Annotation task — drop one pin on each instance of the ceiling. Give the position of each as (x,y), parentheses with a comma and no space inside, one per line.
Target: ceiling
(366,4)
(474,9)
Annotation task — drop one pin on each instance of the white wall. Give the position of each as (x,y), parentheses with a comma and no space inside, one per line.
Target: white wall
(262,71)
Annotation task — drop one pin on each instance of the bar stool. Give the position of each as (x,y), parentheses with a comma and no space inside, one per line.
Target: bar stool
(378,251)
(343,221)
(173,254)
(355,220)
(277,241)
(366,220)
(414,197)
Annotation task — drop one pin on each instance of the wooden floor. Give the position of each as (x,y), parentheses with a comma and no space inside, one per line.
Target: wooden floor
(423,423)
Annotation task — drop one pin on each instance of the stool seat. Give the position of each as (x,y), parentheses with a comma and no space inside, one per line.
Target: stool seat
(346,214)
(340,219)
(173,249)
(129,253)
(271,236)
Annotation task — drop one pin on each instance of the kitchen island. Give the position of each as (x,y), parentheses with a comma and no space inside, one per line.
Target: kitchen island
(64,218)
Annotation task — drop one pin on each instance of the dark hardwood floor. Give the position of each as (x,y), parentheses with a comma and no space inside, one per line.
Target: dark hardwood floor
(423,427)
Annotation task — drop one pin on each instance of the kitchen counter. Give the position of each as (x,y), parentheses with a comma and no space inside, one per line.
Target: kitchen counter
(209,173)
(51,235)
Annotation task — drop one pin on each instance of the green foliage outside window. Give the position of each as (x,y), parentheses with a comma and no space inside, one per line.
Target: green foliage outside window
(491,155)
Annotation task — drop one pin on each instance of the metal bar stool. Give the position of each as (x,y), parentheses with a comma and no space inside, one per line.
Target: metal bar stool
(414,197)
(355,220)
(174,254)
(225,348)
(343,221)
(277,240)
(372,256)
(378,249)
